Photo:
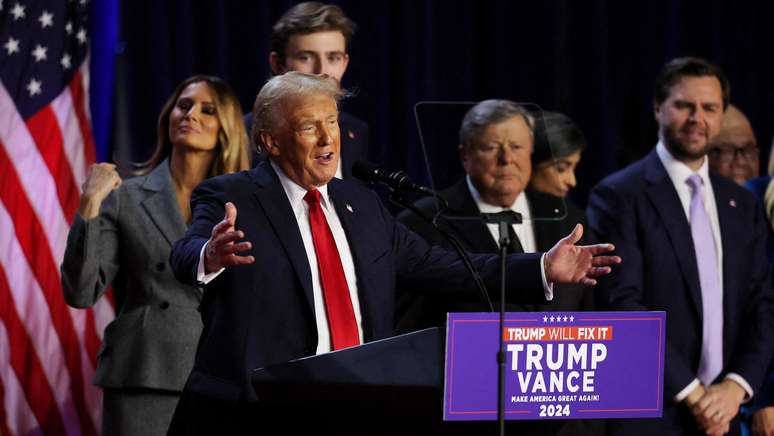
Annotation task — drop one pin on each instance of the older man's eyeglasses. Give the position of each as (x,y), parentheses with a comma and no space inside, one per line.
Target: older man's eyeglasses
(727,153)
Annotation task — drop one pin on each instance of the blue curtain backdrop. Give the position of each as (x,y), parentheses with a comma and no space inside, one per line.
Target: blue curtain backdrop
(104,38)
(594,60)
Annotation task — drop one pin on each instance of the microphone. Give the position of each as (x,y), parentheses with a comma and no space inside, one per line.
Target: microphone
(397,180)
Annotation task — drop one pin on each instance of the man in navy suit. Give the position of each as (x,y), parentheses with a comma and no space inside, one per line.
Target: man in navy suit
(694,246)
(310,263)
(312,38)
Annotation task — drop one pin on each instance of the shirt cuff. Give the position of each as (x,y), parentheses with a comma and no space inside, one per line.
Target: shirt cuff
(743,383)
(682,395)
(548,288)
(201,277)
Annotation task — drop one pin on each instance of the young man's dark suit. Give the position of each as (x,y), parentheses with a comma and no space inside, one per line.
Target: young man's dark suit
(354,141)
(639,211)
(416,310)
(262,314)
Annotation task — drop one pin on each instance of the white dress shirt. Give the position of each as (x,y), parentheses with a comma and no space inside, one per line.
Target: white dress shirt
(524,231)
(339,173)
(678,173)
(295,195)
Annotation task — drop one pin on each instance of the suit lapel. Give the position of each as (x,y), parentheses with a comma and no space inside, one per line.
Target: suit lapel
(547,227)
(160,196)
(473,232)
(666,203)
(272,199)
(731,231)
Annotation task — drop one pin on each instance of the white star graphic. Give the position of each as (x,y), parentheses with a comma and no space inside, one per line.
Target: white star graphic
(69,27)
(545,318)
(11,46)
(34,87)
(46,19)
(81,35)
(572,318)
(565,318)
(66,61)
(552,318)
(39,53)
(18,12)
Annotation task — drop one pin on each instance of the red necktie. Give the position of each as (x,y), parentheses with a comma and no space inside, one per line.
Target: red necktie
(338,305)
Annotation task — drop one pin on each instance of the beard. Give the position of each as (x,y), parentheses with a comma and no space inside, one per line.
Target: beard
(680,146)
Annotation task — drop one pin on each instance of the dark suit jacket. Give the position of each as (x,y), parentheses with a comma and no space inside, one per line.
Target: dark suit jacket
(354,141)
(262,314)
(418,310)
(152,341)
(639,211)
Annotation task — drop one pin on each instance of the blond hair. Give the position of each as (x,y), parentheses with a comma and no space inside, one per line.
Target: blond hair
(267,114)
(233,145)
(768,197)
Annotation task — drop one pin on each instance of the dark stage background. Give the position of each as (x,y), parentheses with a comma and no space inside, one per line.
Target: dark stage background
(594,60)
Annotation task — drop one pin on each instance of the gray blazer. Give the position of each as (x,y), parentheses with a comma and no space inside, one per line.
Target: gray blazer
(152,341)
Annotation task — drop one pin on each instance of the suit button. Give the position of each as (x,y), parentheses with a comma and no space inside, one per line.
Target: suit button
(160,267)
(164,305)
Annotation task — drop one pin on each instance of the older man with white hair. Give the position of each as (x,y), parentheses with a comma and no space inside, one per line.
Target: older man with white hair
(309,264)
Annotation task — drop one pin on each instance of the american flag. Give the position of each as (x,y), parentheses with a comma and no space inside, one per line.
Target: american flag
(48,351)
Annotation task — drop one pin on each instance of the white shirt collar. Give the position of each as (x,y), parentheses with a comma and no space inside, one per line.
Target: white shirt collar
(678,171)
(520,205)
(296,192)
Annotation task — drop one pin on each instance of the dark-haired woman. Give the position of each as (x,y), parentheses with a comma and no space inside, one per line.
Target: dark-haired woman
(123,233)
(558,147)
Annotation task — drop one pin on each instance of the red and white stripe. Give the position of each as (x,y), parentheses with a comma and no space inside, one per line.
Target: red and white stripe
(48,350)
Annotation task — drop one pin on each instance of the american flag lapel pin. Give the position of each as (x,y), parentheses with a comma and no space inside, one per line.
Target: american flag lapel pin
(732,203)
(349,208)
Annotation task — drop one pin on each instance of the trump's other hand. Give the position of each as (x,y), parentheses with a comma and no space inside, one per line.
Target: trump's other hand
(223,246)
(566,262)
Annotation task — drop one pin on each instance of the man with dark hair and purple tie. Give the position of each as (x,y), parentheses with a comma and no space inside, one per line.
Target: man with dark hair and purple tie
(694,245)
(295,262)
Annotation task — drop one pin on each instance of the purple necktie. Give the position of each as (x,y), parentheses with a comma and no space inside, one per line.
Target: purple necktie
(711,363)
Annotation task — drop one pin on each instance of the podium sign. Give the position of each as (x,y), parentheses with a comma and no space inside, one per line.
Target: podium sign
(559,365)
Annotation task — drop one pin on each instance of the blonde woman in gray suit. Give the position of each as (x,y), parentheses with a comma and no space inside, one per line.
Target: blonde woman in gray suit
(123,233)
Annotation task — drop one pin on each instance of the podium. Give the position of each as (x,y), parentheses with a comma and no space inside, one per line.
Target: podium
(392,386)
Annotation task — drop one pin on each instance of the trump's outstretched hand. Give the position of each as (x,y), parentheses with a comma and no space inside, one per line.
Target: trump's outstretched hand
(566,262)
(223,246)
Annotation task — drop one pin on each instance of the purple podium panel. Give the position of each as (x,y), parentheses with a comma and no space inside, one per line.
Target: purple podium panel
(559,365)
